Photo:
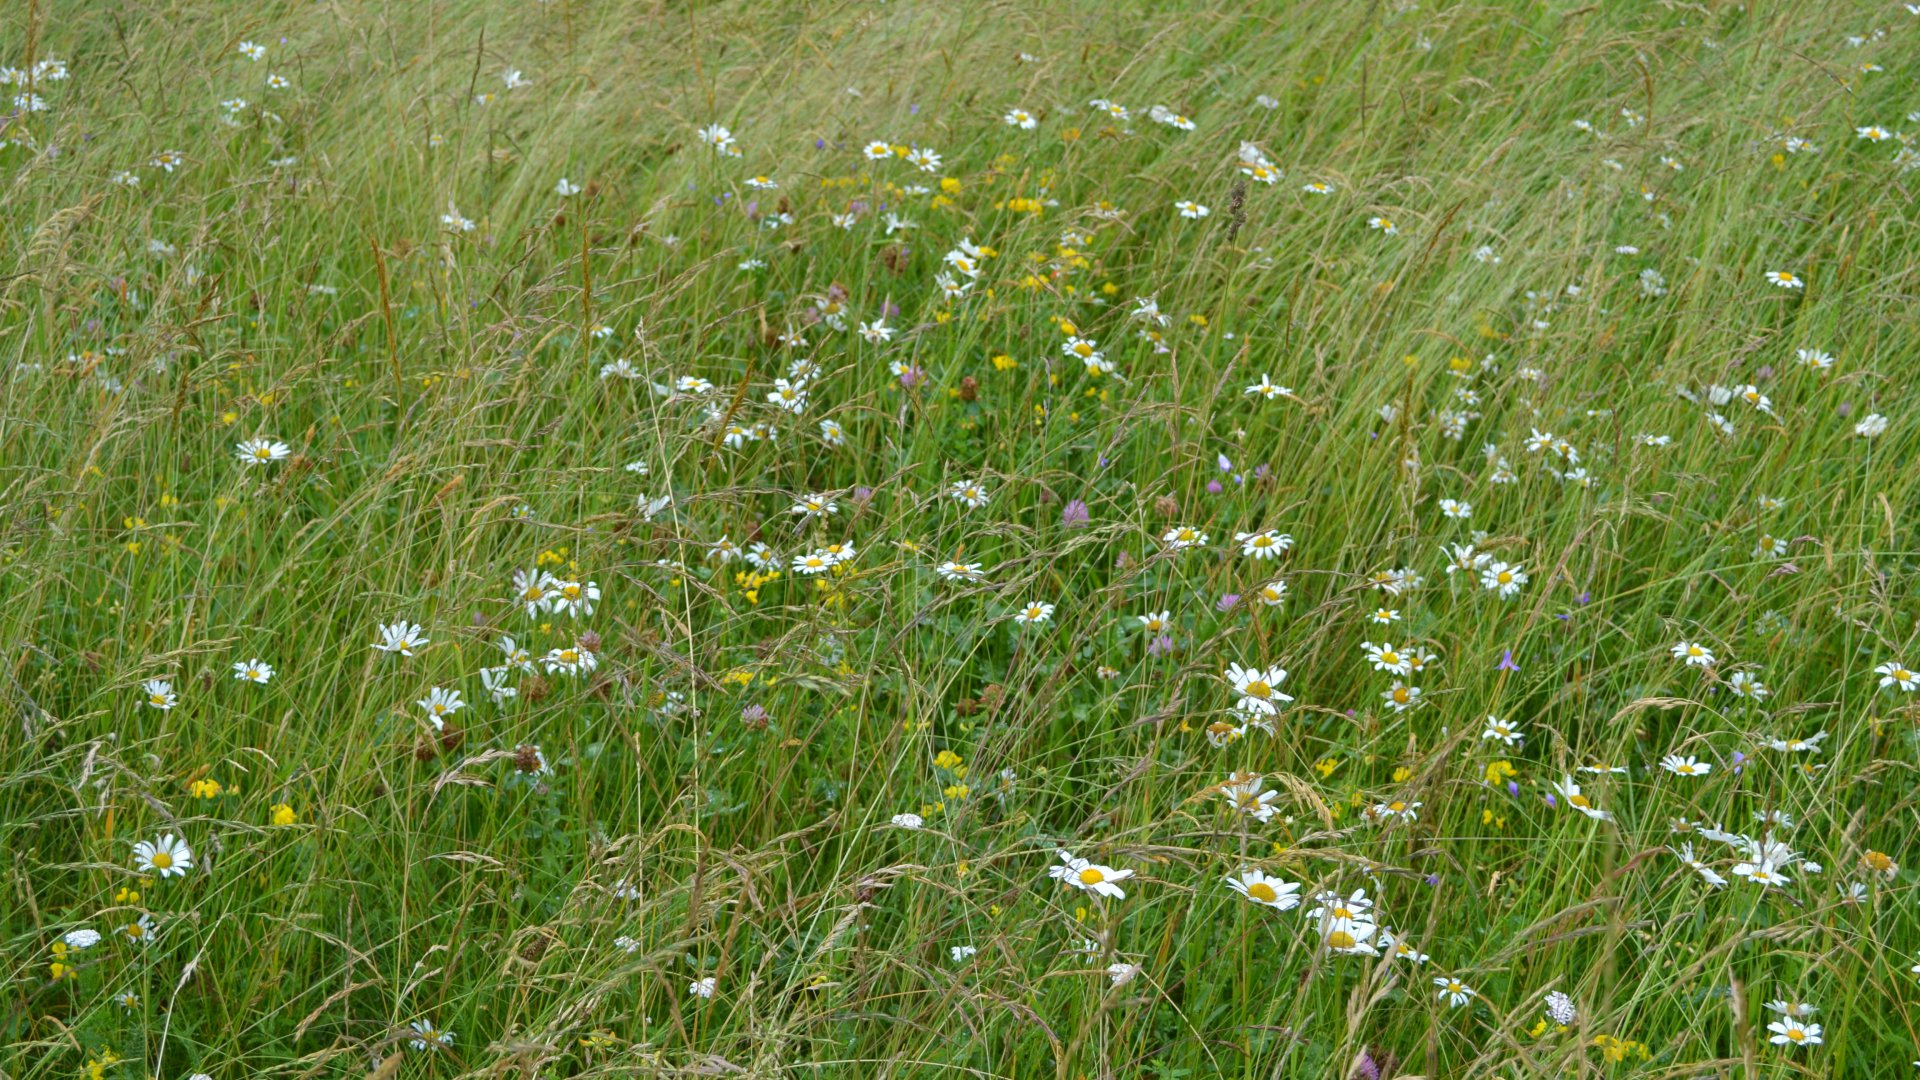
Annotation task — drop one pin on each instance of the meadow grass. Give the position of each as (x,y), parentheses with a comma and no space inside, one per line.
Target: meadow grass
(1463,288)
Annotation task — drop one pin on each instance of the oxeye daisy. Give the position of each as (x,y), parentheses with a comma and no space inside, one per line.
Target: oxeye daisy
(1693,653)
(1898,676)
(1021,119)
(1384,657)
(969,493)
(1191,210)
(1246,793)
(440,704)
(1400,697)
(1570,791)
(1685,766)
(261,451)
(1258,689)
(1503,732)
(1267,389)
(1034,612)
(1789,1031)
(400,637)
(158,694)
(954,570)
(1090,876)
(169,856)
(1453,991)
(1503,578)
(253,671)
(427,1037)
(1786,279)
(1263,545)
(1181,537)
(1271,892)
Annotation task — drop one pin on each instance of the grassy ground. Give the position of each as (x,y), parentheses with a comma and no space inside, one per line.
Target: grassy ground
(797,823)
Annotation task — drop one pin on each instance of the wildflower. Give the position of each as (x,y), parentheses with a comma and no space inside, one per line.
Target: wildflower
(1685,766)
(908,821)
(140,931)
(427,1037)
(1502,731)
(570,660)
(261,451)
(1789,1031)
(159,694)
(1503,578)
(440,704)
(1182,537)
(1021,119)
(969,493)
(1258,689)
(1570,791)
(1263,545)
(953,570)
(1266,891)
(1401,697)
(1396,809)
(1765,862)
(169,856)
(1089,876)
(813,506)
(1694,653)
(1245,794)
(1033,613)
(573,599)
(1267,389)
(1745,684)
(1453,991)
(1385,657)
(253,671)
(1191,210)
(402,637)
(1786,279)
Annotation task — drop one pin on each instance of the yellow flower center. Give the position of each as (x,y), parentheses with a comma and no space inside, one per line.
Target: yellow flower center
(1579,800)
(1092,876)
(161,860)
(1259,689)
(1400,695)
(1262,892)
(1340,939)
(1504,577)
(1389,657)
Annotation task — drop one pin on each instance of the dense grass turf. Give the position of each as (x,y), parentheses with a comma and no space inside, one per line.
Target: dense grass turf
(837,473)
